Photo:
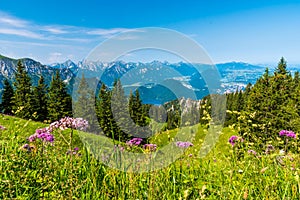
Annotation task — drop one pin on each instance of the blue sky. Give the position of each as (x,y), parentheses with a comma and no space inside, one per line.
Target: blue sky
(54,31)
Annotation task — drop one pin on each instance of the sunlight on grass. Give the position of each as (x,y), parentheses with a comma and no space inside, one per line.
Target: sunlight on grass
(227,172)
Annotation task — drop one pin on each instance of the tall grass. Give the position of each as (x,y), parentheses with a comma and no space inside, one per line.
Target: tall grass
(225,173)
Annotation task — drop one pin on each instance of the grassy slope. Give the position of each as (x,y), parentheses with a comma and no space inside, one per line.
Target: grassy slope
(220,175)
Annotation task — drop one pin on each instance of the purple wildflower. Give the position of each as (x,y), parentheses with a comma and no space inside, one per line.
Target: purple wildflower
(44,134)
(150,147)
(282,132)
(32,137)
(2,127)
(69,122)
(233,139)
(46,137)
(252,152)
(183,144)
(76,149)
(287,133)
(121,148)
(134,142)
(291,134)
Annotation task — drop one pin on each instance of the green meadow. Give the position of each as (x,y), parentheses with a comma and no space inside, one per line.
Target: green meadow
(49,171)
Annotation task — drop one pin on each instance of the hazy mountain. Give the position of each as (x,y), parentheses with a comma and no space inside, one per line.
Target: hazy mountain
(8,67)
(158,82)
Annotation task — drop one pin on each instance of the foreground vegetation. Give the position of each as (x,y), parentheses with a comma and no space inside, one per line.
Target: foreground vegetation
(228,172)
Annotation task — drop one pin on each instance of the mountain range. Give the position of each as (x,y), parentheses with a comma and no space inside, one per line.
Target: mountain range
(156,81)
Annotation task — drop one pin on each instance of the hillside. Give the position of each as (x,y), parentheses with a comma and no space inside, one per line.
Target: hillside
(228,172)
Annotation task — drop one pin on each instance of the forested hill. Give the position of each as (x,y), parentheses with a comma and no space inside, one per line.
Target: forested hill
(260,111)
(270,105)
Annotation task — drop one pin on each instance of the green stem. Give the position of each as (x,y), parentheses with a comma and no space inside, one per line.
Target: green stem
(71,164)
(43,176)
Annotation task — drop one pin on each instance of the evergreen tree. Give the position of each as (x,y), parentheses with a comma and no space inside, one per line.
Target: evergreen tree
(40,93)
(281,67)
(103,111)
(268,106)
(121,115)
(7,96)
(84,107)
(60,102)
(23,97)
(137,110)
(139,116)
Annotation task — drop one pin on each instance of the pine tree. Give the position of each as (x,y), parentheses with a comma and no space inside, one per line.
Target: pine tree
(103,111)
(121,115)
(136,109)
(139,116)
(40,93)
(60,102)
(269,107)
(281,67)
(7,96)
(84,107)
(23,97)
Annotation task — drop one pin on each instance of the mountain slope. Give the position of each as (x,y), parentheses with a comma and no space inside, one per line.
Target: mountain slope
(157,81)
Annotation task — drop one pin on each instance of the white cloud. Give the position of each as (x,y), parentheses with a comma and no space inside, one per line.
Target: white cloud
(12,21)
(51,43)
(55,30)
(106,32)
(20,32)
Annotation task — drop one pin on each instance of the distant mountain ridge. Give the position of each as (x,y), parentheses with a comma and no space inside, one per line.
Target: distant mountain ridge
(8,67)
(154,80)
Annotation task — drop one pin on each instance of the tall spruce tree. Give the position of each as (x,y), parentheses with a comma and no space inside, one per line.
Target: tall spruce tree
(23,97)
(40,93)
(60,102)
(268,106)
(6,105)
(104,113)
(281,67)
(136,109)
(84,107)
(121,114)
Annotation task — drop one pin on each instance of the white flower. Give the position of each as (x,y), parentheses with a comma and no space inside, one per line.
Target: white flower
(281,152)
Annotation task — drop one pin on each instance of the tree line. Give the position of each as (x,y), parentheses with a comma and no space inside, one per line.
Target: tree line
(117,115)
(40,103)
(259,112)
(265,108)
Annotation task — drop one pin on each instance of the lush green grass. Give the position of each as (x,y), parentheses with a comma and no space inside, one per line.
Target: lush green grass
(225,173)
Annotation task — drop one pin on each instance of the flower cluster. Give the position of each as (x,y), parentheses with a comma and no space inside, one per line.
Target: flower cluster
(69,122)
(134,142)
(234,139)
(44,134)
(286,133)
(183,144)
(150,147)
(2,127)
